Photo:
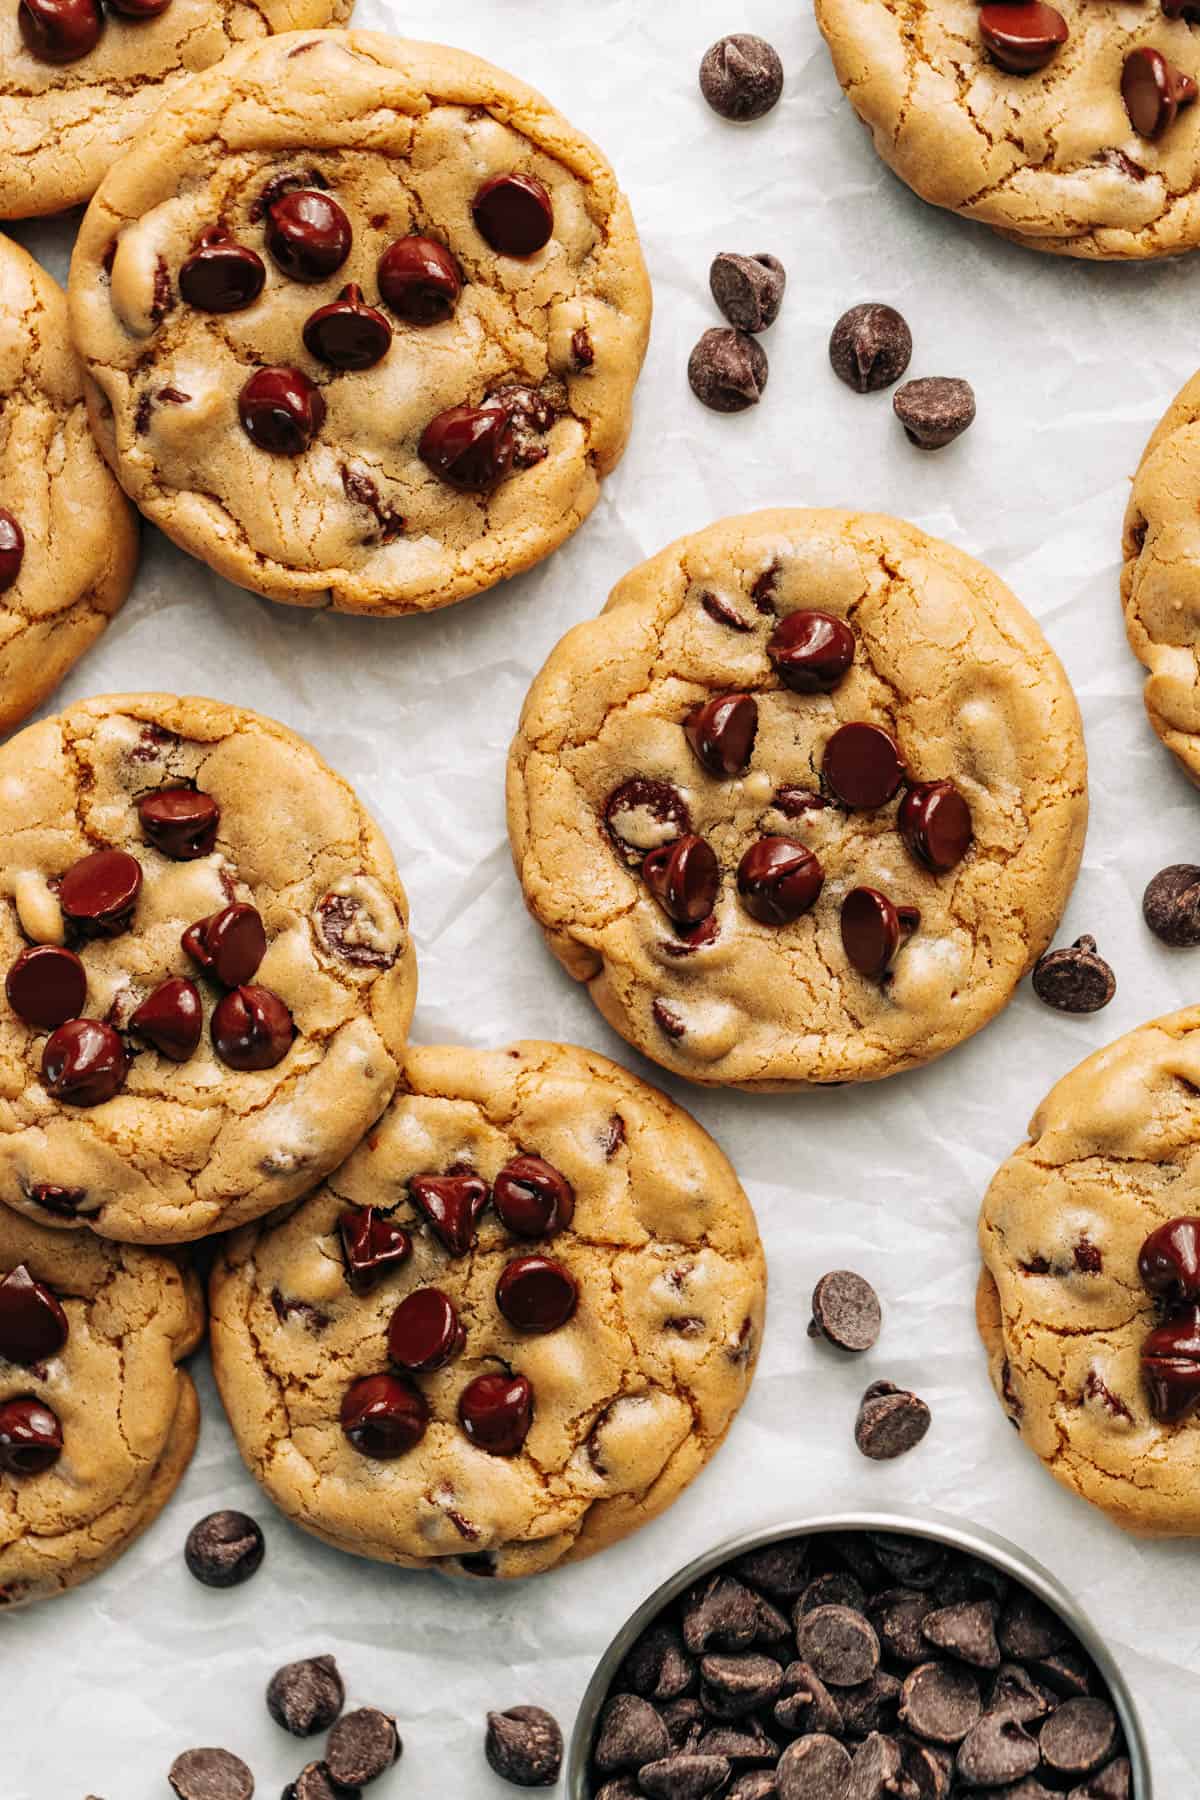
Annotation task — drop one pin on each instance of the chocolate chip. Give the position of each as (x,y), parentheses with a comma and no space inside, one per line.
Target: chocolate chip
(748,289)
(531,1197)
(210,1774)
(871,1706)
(1080,1737)
(875,1774)
(741,77)
(1022,37)
(419,280)
(33,1326)
(347,333)
(1075,980)
(451,1204)
(306,1697)
(745,1741)
(941,1702)
(967,1631)
(928,1770)
(1015,1693)
(811,651)
(631,1733)
(728,370)
(181,822)
(805,1704)
(657,1666)
(685,1720)
(308,234)
(995,1751)
(779,879)
(722,1615)
(98,893)
(685,878)
(840,1644)
(1153,90)
(863,765)
(229,944)
(46,986)
(514,213)
(496,1412)
(536,1294)
(224,1549)
(916,1561)
(1113,1783)
(870,347)
(813,1768)
(373,1246)
(890,1424)
(60,31)
(525,1746)
(314,1782)
(1029,1631)
(220,276)
(470,447)
(873,929)
(251,1028)
(171,1018)
(688,1777)
(846,1311)
(935,823)
(281,410)
(642,814)
(722,733)
(12,549)
(1171,905)
(731,1686)
(836,1587)
(779,1569)
(937,409)
(755,1784)
(84,1063)
(425,1332)
(724,614)
(383,1417)
(898,1615)
(31,1438)
(623,1788)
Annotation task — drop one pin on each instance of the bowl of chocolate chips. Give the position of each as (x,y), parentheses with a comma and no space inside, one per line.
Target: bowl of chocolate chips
(897,1656)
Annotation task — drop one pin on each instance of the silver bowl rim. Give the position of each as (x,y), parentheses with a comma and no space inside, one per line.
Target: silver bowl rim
(975,1540)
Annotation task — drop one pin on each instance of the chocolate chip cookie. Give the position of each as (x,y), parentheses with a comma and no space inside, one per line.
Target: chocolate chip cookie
(362,321)
(1160,581)
(208,975)
(68,537)
(803,804)
(508,1331)
(1089,1301)
(80,77)
(97,1421)
(1072,130)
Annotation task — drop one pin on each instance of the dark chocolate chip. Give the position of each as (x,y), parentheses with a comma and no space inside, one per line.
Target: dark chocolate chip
(515,214)
(872,1706)
(898,1615)
(1076,980)
(451,1204)
(470,447)
(251,1028)
(685,878)
(811,651)
(181,822)
(721,1615)
(314,1782)
(1019,1696)
(524,1746)
(863,765)
(875,1774)
(12,549)
(383,1416)
(755,1784)
(220,276)
(1153,90)
(937,409)
(870,347)
(33,1326)
(873,929)
(60,31)
(935,823)
(1080,1737)
(732,1685)
(425,1332)
(657,1667)
(728,370)
(347,333)
(779,1569)
(840,1644)
(229,944)
(171,1018)
(685,1777)
(966,1631)
(642,814)
(741,1742)
(928,1770)
(1171,905)
(741,77)
(373,1245)
(805,1704)
(940,1701)
(623,1788)
(46,986)
(1022,37)
(836,1587)
(779,880)
(210,1774)
(630,1734)
(890,1424)
(685,1720)
(996,1750)
(916,1561)
(496,1412)
(531,1197)
(306,1697)
(1169,1261)
(31,1438)
(308,234)
(748,289)
(98,893)
(846,1311)
(722,733)
(224,1549)
(537,1294)
(1029,1630)
(84,1063)
(1113,1783)
(816,1767)
(281,410)
(419,280)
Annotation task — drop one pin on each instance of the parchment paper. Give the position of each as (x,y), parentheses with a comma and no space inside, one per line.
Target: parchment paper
(1072,365)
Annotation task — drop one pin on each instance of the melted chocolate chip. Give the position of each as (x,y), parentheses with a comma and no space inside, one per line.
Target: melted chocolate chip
(811,651)
(308,234)
(1153,90)
(383,1417)
(373,1246)
(12,549)
(229,944)
(863,765)
(31,1438)
(251,1029)
(496,1412)
(419,280)
(1169,1261)
(46,986)
(84,1063)
(33,1326)
(872,928)
(1171,1367)
(935,823)
(98,893)
(514,213)
(181,822)
(221,276)
(471,448)
(281,410)
(451,1204)
(347,334)
(643,814)
(537,1294)
(60,31)
(425,1333)
(779,879)
(1024,36)
(531,1197)
(171,1018)
(722,733)
(685,878)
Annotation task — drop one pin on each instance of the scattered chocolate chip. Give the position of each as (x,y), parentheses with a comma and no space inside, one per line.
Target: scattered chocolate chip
(846,1311)
(966,1631)
(308,234)
(224,1549)
(841,1645)
(451,1204)
(419,280)
(306,1697)
(684,1777)
(515,214)
(863,765)
(870,347)
(631,1734)
(425,1332)
(1153,90)
(46,986)
(251,1028)
(496,1412)
(347,333)
(362,1746)
(813,1768)
(733,1685)
(685,878)
(210,1774)
(536,1294)
(524,1746)
(532,1199)
(1022,37)
(383,1417)
(171,1018)
(935,823)
(281,410)
(60,31)
(1171,905)
(314,1782)
(741,77)
(359,487)
(890,1424)
(728,370)
(84,1063)
(221,276)
(811,651)
(748,289)
(941,1702)
(33,1326)
(779,880)
(1076,980)
(98,893)
(229,944)
(996,1751)
(373,1246)
(181,822)
(470,447)
(937,409)
(667,1020)
(12,549)
(722,733)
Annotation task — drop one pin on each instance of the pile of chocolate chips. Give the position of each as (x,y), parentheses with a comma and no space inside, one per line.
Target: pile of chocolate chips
(858,1666)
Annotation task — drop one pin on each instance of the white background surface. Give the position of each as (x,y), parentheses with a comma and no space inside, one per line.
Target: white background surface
(1072,365)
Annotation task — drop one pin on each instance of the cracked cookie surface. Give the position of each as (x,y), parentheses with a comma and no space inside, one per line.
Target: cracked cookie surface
(630,1398)
(1049,158)
(69,569)
(187,1148)
(128,1415)
(1113,1152)
(62,125)
(357,519)
(945,658)
(1160,579)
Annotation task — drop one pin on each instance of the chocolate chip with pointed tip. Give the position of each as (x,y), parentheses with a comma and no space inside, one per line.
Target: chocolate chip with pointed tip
(224,1549)
(935,410)
(741,77)
(966,1631)
(870,347)
(728,370)
(748,289)
(524,1746)
(1171,905)
(630,1734)
(689,1777)
(305,1697)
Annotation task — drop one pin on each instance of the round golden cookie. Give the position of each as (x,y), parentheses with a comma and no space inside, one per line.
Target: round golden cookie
(62,125)
(629,1398)
(182,1148)
(1049,158)
(602,774)
(126,1415)
(1160,580)
(1113,1152)
(398,138)
(68,537)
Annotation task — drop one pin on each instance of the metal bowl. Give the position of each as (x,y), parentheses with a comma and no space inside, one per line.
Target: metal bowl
(906,1522)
